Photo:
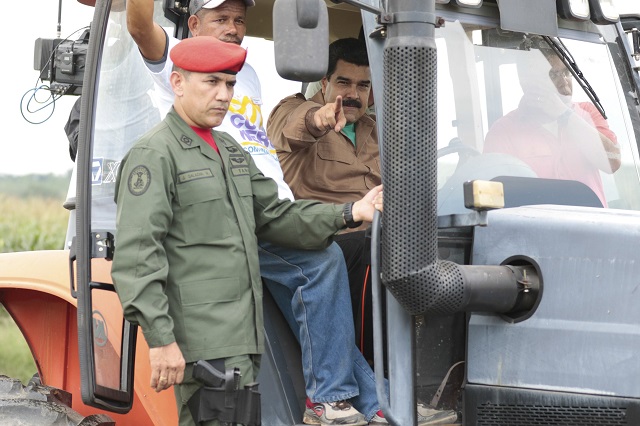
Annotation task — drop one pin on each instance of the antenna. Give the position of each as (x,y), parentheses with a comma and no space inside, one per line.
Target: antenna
(59,26)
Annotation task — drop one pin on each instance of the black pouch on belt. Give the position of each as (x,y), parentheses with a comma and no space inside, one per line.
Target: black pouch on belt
(220,399)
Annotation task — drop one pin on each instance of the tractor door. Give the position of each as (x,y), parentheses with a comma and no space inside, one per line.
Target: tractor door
(116,110)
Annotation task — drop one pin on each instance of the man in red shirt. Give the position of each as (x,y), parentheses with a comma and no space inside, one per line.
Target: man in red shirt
(557,138)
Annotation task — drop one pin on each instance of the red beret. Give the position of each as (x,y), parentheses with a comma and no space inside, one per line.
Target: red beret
(208,54)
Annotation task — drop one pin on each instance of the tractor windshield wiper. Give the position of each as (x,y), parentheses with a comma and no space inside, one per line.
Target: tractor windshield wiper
(563,53)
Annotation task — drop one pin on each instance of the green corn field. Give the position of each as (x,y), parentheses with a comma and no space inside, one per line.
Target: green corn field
(33,223)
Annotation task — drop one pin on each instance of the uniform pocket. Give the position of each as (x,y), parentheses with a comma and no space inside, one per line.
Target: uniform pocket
(199,191)
(213,312)
(202,213)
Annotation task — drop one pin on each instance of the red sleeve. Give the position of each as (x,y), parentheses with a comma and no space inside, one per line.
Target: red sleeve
(591,114)
(499,138)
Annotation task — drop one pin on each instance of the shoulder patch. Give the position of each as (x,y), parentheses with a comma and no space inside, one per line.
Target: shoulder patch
(139,180)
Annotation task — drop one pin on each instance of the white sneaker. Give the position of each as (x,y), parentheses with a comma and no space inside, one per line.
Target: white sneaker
(430,416)
(425,416)
(378,420)
(333,413)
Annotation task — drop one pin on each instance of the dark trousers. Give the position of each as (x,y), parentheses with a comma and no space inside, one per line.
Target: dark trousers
(356,248)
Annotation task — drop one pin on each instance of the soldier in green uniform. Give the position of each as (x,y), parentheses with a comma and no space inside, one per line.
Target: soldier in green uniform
(191,205)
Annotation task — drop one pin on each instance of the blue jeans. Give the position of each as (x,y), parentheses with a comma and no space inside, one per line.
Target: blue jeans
(311,289)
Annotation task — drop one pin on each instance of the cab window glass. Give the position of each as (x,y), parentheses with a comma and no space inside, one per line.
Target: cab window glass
(502,102)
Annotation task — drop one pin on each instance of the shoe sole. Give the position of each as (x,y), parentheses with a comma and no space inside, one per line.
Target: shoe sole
(308,420)
(441,422)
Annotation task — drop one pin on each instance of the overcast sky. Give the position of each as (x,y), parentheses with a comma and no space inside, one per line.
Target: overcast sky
(28,148)
(43,148)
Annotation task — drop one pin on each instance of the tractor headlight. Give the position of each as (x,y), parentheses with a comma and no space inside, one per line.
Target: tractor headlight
(469,3)
(574,9)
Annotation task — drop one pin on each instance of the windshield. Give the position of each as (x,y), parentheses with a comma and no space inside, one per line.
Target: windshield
(125,110)
(508,106)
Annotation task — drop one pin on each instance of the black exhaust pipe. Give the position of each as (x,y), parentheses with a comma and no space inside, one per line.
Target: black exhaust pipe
(410,268)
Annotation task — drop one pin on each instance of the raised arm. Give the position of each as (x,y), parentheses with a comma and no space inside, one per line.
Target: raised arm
(583,127)
(296,123)
(329,117)
(148,35)
(597,140)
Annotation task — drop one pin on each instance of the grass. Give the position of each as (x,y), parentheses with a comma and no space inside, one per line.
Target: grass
(15,357)
(26,224)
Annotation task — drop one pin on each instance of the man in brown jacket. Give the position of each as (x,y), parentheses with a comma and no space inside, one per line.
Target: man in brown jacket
(328,150)
(328,145)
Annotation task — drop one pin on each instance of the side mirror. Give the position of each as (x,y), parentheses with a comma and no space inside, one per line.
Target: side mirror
(301,39)
(519,16)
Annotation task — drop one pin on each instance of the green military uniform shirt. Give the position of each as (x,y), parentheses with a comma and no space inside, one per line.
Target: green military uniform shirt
(186,259)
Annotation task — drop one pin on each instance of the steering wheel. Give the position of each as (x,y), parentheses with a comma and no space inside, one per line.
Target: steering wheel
(464,151)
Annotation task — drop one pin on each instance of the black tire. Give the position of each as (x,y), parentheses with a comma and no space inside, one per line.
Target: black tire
(38,405)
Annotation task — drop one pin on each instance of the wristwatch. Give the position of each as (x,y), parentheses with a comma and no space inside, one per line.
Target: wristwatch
(347,215)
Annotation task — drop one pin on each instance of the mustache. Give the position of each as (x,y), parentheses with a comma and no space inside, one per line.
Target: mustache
(352,103)
(232,39)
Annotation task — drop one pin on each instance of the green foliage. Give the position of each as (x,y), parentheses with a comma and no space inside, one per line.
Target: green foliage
(15,357)
(46,186)
(28,224)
